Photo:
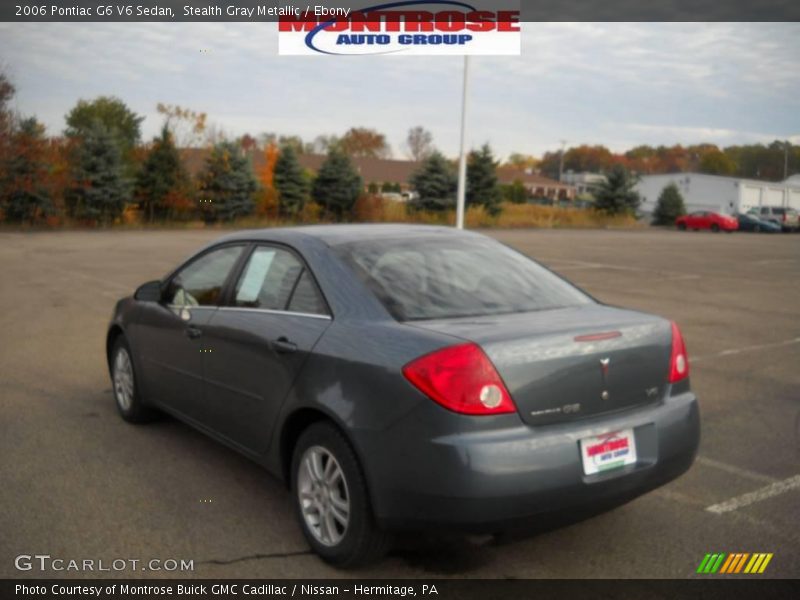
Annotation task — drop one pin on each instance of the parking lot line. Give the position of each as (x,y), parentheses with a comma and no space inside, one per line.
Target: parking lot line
(733,351)
(774,489)
(733,469)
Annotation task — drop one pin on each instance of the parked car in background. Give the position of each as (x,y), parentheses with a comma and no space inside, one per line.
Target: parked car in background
(785,218)
(750,222)
(407,377)
(705,219)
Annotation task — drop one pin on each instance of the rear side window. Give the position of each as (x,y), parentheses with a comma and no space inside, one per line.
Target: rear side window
(275,279)
(435,278)
(779,211)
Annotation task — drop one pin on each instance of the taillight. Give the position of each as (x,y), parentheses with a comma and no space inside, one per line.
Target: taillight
(679,361)
(462,379)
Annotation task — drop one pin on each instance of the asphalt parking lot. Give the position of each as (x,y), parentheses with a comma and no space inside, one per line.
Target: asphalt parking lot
(77,482)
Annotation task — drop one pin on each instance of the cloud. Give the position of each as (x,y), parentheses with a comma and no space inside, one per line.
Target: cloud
(603,83)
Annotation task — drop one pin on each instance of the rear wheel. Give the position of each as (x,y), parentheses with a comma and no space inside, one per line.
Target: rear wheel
(682,226)
(125,385)
(331,499)
(715,228)
(757,228)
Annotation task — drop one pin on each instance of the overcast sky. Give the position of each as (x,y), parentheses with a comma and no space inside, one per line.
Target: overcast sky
(617,84)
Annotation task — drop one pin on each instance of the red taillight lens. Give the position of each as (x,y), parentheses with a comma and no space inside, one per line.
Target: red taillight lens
(462,379)
(679,362)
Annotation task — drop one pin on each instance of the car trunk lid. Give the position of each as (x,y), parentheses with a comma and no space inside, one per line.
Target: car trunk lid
(571,363)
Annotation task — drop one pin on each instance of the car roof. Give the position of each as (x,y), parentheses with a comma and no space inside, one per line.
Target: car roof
(332,235)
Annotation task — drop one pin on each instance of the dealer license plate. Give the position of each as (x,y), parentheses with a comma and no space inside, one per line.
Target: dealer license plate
(609,451)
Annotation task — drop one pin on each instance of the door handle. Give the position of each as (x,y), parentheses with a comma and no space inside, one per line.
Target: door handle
(193,332)
(284,346)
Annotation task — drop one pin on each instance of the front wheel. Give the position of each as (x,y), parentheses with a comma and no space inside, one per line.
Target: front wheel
(331,499)
(682,226)
(715,228)
(125,385)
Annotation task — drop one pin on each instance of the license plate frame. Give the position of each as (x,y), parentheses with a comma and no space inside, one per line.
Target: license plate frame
(608,452)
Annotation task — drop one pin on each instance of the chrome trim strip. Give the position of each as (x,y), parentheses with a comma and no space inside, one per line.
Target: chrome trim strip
(275,312)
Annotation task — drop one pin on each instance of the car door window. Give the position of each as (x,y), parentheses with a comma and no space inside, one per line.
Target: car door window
(201,282)
(275,279)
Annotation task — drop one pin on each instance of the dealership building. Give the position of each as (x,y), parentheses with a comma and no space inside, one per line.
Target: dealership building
(727,195)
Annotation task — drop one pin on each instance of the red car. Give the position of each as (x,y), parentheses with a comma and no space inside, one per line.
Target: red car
(703,219)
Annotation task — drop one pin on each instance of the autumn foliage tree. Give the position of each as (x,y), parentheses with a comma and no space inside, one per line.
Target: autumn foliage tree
(24,194)
(364,142)
(267,197)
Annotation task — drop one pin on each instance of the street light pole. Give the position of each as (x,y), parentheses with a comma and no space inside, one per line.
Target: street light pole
(462,161)
(561,161)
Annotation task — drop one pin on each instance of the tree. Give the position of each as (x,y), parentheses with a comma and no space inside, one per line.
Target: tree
(419,143)
(119,121)
(617,195)
(482,187)
(523,162)
(100,187)
(24,195)
(227,184)
(515,192)
(436,183)
(290,182)
(363,142)
(670,206)
(338,184)
(162,179)
(186,126)
(717,163)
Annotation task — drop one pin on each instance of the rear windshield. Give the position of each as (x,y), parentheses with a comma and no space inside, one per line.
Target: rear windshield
(423,278)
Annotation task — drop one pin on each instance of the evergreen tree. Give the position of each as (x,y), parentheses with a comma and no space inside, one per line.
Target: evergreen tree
(482,187)
(290,182)
(616,195)
(338,185)
(670,206)
(516,192)
(436,183)
(162,174)
(23,190)
(122,123)
(227,184)
(100,188)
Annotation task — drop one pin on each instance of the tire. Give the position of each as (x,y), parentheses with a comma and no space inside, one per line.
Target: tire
(354,539)
(124,385)
(757,228)
(715,228)
(681,226)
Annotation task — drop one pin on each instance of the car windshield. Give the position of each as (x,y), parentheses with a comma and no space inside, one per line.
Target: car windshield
(419,279)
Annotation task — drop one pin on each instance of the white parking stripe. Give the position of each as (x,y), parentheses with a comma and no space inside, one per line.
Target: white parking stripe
(775,489)
(733,469)
(733,351)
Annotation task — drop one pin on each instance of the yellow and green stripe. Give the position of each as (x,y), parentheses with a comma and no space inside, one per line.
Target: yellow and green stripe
(734,563)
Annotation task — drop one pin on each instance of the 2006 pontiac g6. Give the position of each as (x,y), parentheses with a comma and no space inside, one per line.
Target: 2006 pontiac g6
(407,377)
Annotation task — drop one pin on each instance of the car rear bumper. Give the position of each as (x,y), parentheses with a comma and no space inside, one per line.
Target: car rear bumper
(490,480)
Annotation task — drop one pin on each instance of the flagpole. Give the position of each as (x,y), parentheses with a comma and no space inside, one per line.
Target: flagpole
(462,164)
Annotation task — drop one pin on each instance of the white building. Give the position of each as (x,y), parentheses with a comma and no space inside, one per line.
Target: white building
(584,182)
(727,195)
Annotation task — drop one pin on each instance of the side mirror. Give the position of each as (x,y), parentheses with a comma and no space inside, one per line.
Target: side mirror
(149,292)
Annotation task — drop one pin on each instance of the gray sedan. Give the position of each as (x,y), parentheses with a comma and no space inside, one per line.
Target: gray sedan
(407,377)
